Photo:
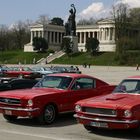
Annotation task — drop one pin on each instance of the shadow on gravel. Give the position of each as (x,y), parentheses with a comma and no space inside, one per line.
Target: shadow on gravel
(120,134)
(62,120)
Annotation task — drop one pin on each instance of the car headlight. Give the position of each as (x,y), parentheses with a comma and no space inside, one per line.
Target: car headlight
(30,102)
(78,108)
(127,113)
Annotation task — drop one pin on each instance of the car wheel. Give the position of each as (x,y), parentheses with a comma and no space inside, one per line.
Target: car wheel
(10,118)
(88,128)
(49,115)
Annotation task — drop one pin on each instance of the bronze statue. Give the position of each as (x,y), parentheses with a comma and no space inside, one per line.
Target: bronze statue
(71,24)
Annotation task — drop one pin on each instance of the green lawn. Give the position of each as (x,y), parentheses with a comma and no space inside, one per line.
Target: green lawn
(80,58)
(14,57)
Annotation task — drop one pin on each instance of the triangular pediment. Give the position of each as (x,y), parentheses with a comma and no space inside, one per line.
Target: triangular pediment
(104,21)
(36,25)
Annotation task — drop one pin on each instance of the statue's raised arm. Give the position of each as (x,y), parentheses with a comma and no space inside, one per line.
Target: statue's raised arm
(74,9)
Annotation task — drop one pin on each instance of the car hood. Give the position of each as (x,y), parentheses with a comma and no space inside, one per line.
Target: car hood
(113,101)
(29,93)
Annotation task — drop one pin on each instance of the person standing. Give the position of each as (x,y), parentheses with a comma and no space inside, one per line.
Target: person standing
(137,67)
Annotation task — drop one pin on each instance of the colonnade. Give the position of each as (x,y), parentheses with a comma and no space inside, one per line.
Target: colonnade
(84,35)
(107,34)
(102,34)
(53,37)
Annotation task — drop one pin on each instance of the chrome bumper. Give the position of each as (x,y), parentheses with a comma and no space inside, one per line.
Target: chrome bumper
(106,120)
(20,109)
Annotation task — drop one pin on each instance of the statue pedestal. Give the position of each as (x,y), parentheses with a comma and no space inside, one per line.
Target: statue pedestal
(74,42)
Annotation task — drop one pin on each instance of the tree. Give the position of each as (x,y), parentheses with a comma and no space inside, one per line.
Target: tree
(126,31)
(40,44)
(134,16)
(43,19)
(92,45)
(67,46)
(57,21)
(120,15)
(3,37)
(21,34)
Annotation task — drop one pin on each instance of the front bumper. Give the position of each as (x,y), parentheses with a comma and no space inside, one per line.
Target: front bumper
(108,123)
(23,112)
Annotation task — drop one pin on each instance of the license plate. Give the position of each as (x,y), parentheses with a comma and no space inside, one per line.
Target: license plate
(99,124)
(8,112)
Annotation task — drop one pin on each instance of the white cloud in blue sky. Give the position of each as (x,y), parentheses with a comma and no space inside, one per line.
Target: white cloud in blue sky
(131,3)
(100,10)
(91,10)
(95,10)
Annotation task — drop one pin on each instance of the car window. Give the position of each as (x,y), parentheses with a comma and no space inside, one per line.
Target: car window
(55,82)
(26,69)
(18,84)
(83,83)
(128,86)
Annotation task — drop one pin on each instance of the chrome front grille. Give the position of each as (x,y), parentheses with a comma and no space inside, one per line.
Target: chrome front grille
(9,101)
(100,111)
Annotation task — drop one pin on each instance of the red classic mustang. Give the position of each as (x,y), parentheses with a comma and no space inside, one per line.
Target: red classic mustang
(54,94)
(19,71)
(118,110)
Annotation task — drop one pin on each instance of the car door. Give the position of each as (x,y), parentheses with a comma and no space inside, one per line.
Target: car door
(82,88)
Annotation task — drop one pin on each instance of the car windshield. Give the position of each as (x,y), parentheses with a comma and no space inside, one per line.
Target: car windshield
(128,86)
(54,82)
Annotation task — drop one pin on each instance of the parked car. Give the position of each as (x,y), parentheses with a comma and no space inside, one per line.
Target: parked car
(73,69)
(53,94)
(66,69)
(19,71)
(43,70)
(11,84)
(118,110)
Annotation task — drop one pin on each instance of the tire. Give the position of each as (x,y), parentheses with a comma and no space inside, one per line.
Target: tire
(48,116)
(88,127)
(10,118)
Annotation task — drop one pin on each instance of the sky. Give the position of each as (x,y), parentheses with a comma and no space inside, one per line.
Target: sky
(12,11)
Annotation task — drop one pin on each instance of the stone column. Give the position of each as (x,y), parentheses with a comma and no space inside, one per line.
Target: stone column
(113,34)
(109,34)
(84,37)
(31,39)
(103,33)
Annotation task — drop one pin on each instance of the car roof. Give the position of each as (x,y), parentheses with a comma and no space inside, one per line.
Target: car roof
(74,75)
(134,77)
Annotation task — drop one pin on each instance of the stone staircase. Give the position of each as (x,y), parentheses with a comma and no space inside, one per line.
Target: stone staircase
(51,57)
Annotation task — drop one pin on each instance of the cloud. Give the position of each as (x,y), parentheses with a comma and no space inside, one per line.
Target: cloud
(95,10)
(98,10)
(131,3)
